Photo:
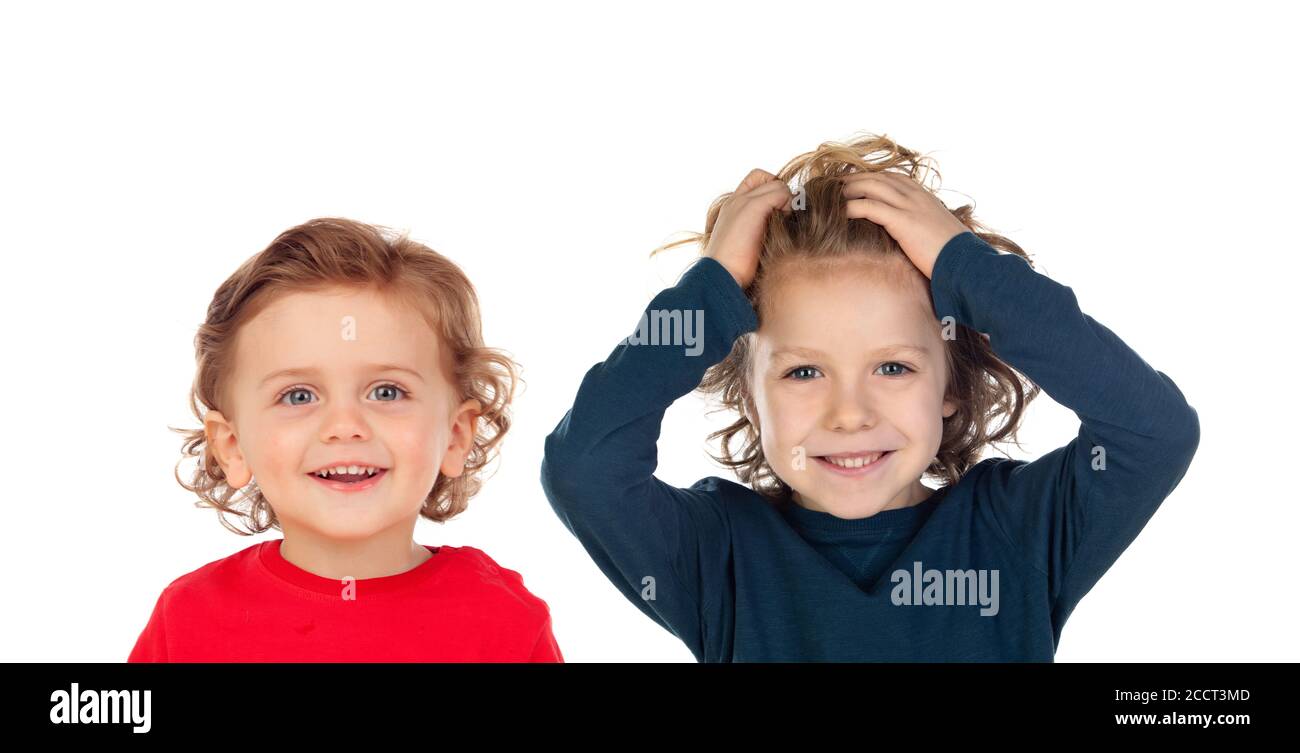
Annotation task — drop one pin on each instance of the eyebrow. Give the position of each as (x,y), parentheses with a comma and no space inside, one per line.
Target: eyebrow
(311,371)
(900,348)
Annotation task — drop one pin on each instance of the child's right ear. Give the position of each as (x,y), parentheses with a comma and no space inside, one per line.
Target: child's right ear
(224,446)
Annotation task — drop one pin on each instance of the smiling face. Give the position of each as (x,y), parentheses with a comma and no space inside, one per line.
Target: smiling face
(828,378)
(368,386)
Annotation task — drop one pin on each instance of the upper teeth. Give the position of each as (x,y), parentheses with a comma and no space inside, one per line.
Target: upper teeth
(351,470)
(857,462)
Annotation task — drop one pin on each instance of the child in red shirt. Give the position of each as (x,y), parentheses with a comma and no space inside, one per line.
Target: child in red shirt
(346,392)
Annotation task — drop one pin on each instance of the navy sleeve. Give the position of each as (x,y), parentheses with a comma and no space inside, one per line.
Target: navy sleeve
(663,547)
(1074,510)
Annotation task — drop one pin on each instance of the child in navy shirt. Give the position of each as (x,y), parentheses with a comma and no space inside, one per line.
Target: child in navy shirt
(866,336)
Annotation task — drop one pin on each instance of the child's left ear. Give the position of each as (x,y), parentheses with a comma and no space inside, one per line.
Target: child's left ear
(462,438)
(949,408)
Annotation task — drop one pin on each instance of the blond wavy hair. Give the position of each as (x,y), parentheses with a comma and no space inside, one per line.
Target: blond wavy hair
(329,252)
(991,396)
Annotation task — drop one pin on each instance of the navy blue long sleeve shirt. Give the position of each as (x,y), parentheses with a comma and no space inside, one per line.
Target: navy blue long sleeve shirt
(986,569)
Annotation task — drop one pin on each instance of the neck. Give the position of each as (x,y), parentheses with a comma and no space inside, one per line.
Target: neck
(388,553)
(913,495)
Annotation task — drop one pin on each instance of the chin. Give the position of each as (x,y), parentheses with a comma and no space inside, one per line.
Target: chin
(342,527)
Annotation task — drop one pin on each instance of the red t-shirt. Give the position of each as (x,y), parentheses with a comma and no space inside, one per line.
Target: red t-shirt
(256,606)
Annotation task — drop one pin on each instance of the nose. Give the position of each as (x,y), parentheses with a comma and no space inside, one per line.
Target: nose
(344,421)
(851,408)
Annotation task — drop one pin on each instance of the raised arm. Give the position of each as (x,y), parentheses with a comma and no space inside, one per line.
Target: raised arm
(1074,510)
(663,547)
(666,549)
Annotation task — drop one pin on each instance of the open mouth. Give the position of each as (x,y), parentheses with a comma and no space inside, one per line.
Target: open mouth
(854,466)
(349,478)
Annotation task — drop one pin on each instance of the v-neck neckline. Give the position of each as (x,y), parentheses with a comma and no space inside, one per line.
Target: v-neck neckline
(820,528)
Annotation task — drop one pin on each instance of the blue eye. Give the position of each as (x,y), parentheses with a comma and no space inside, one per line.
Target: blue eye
(293,391)
(390,386)
(798,369)
(895,363)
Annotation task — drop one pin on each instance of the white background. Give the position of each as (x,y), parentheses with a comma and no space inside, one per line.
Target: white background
(1144,153)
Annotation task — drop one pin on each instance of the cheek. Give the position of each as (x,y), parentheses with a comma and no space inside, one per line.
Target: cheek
(276,452)
(914,409)
(921,416)
(785,419)
(789,417)
(416,443)
(276,446)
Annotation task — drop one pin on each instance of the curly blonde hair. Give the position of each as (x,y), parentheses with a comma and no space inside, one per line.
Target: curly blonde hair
(329,252)
(991,396)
